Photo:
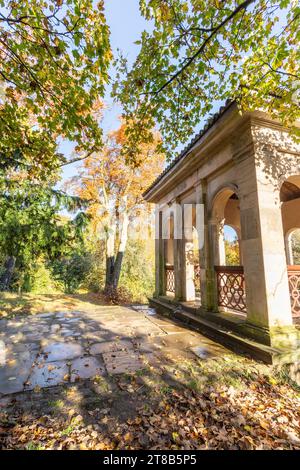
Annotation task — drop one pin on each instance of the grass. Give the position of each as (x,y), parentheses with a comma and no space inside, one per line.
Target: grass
(34,446)
(166,390)
(56,404)
(67,431)
(12,304)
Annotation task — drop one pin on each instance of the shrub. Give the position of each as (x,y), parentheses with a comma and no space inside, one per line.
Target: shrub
(40,281)
(137,274)
(95,278)
(71,270)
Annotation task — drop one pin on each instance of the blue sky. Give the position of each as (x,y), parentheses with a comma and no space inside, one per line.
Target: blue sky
(126,24)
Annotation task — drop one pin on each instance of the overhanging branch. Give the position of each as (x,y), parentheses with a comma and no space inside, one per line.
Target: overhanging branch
(242,6)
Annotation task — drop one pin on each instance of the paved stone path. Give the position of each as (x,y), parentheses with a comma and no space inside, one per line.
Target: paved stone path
(52,348)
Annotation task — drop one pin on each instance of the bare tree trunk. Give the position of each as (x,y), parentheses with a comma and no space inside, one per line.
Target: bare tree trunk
(121,250)
(6,277)
(117,234)
(110,257)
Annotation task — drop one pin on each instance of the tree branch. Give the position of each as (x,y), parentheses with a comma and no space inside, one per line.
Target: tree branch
(77,159)
(242,6)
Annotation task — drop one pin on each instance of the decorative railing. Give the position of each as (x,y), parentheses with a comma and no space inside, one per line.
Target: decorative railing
(169,279)
(294,285)
(231,287)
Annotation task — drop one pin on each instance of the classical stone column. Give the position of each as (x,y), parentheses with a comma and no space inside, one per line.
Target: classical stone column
(178,249)
(159,256)
(187,252)
(207,235)
(221,244)
(289,250)
(263,252)
(238,231)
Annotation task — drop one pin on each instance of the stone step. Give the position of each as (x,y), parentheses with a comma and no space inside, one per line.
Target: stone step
(218,332)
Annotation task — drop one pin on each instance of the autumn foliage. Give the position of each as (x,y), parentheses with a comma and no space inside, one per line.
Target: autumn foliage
(114,187)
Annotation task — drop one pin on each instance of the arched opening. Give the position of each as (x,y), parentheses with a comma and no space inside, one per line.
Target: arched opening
(295,246)
(290,211)
(232,246)
(226,223)
(292,246)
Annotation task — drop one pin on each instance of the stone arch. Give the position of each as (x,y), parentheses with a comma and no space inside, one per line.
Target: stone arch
(219,199)
(292,178)
(224,211)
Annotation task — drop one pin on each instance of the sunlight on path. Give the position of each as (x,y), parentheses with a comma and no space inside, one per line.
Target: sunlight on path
(61,347)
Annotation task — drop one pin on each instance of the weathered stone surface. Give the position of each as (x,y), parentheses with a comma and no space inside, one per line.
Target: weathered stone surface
(16,349)
(122,361)
(48,374)
(15,372)
(62,315)
(111,346)
(94,337)
(67,333)
(144,309)
(55,328)
(2,353)
(60,351)
(85,368)
(45,315)
(202,352)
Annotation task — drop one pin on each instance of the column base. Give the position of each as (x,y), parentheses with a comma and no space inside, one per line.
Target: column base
(209,296)
(279,337)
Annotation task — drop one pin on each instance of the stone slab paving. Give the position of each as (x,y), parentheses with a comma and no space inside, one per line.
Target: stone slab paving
(47,375)
(53,348)
(120,362)
(86,368)
(61,351)
(111,346)
(15,372)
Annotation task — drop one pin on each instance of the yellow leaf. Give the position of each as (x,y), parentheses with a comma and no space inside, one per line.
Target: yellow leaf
(264,424)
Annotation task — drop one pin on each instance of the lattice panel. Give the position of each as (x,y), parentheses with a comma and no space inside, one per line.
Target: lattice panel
(170,279)
(231,287)
(294,285)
